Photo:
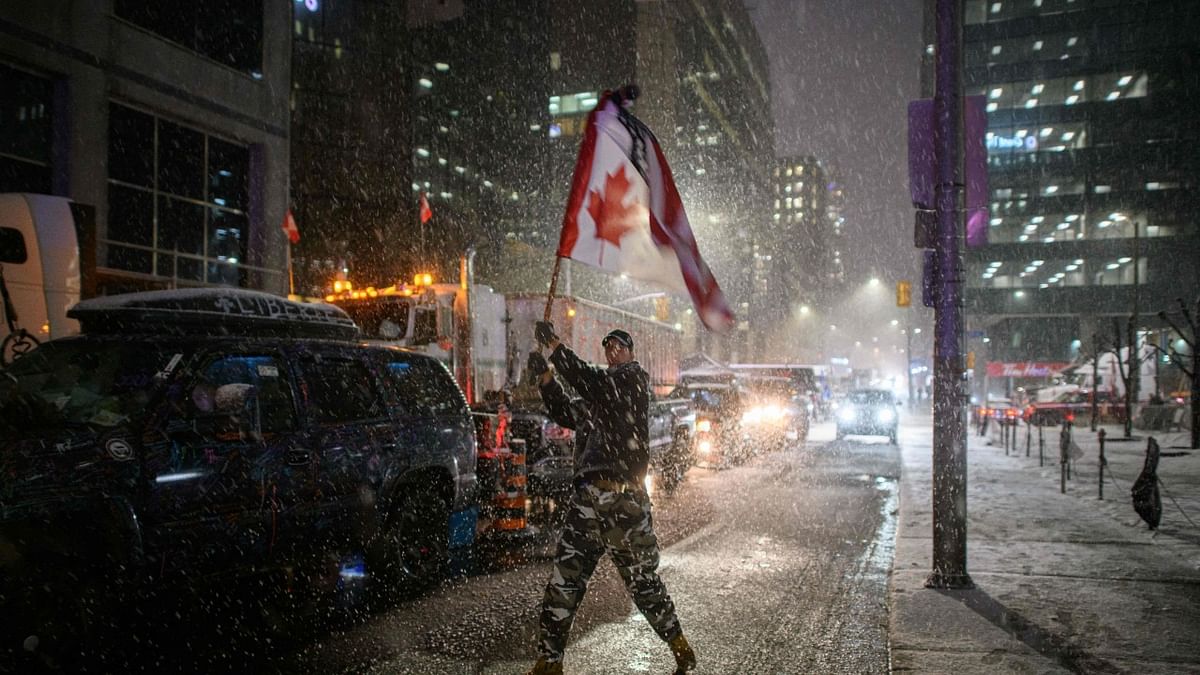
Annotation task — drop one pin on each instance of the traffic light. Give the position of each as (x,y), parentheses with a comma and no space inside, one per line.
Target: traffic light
(903,293)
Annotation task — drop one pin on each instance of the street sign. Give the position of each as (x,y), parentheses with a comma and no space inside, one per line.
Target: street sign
(975,168)
(922,170)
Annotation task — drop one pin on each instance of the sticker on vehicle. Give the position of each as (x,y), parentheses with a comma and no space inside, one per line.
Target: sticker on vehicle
(119,450)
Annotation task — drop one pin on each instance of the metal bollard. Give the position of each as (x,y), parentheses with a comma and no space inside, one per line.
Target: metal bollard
(1028,438)
(1070,463)
(1103,463)
(1004,435)
(1064,442)
(1041,447)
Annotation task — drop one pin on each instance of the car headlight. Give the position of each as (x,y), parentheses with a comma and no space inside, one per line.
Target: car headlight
(846,414)
(704,425)
(886,416)
(751,416)
(705,447)
(649,481)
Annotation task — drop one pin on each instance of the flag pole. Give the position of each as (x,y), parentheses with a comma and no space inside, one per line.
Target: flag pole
(553,284)
(291,275)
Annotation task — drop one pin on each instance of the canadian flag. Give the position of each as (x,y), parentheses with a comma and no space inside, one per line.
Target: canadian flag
(289,227)
(426,212)
(624,214)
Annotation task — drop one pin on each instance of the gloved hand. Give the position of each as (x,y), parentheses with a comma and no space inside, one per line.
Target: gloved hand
(543,332)
(537,364)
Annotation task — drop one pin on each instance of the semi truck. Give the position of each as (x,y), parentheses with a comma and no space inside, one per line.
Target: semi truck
(42,271)
(460,324)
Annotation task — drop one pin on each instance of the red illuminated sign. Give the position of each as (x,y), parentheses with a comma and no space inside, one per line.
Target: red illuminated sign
(1024,368)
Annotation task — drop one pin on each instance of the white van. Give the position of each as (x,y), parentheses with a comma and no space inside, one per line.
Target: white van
(39,265)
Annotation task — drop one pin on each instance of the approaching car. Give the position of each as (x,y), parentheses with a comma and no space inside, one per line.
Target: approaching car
(868,412)
(188,438)
(775,414)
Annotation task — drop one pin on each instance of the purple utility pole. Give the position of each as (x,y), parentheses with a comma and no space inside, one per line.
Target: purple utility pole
(949,391)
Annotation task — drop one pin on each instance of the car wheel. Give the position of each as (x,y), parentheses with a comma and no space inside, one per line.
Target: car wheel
(412,550)
(892,437)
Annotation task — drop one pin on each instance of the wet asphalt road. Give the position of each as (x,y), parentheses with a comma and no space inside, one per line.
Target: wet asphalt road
(777,566)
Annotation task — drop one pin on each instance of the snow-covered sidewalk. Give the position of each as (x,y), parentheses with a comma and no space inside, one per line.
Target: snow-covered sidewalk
(1064,582)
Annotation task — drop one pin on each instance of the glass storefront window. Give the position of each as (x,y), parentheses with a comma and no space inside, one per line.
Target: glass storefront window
(177,200)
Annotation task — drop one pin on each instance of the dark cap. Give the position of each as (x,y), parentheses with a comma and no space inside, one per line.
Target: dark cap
(620,336)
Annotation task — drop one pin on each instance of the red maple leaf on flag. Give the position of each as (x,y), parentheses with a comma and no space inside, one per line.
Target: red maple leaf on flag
(612,217)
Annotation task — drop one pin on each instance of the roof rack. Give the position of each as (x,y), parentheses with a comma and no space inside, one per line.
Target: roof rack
(212,311)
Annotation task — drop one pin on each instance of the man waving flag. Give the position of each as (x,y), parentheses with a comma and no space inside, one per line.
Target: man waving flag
(624,214)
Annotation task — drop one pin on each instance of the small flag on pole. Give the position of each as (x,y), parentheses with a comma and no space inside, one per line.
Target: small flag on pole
(426,212)
(625,216)
(289,228)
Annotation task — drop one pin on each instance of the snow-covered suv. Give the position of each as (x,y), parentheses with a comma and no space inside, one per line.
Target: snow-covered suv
(193,436)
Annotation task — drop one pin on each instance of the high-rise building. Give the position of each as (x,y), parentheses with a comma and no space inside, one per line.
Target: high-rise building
(804,252)
(350,142)
(1092,154)
(705,71)
(497,126)
(171,120)
(809,239)
(501,91)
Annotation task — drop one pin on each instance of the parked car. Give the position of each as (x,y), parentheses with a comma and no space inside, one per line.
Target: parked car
(868,412)
(200,436)
(672,426)
(549,450)
(551,447)
(718,407)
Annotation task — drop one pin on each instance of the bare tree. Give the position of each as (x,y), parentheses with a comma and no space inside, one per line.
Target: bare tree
(1189,337)
(1099,346)
(1129,368)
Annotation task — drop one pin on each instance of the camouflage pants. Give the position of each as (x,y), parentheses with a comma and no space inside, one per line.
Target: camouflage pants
(618,523)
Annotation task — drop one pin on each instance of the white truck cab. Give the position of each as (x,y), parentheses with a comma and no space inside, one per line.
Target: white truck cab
(40,266)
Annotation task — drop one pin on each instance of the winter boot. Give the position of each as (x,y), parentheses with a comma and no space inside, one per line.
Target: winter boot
(544,667)
(685,658)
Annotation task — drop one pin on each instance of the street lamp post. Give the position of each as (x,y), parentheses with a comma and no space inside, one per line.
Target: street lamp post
(908,366)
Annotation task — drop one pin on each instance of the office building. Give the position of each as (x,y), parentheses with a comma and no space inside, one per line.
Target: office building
(171,122)
(351,138)
(1092,157)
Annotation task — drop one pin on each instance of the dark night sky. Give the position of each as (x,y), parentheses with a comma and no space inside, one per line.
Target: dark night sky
(842,73)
